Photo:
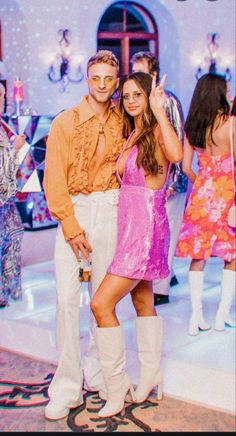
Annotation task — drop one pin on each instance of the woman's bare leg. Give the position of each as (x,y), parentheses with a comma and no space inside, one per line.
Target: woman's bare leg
(142,297)
(197,265)
(111,343)
(230,265)
(110,292)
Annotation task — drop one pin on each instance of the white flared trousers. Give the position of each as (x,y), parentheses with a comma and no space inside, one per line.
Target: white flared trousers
(97,214)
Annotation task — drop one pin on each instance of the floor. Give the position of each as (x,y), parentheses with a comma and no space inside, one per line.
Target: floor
(23,396)
(199,370)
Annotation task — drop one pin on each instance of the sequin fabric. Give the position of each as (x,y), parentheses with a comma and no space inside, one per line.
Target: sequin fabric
(143,229)
(205,231)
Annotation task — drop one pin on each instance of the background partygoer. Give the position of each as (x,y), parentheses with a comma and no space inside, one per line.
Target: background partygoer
(11,228)
(205,231)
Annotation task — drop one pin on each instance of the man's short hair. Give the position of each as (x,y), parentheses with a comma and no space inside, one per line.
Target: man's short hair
(153,64)
(105,57)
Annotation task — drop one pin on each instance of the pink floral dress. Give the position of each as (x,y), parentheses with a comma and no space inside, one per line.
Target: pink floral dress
(205,231)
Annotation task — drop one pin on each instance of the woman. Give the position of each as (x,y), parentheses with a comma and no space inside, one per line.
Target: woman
(205,231)
(143,240)
(11,229)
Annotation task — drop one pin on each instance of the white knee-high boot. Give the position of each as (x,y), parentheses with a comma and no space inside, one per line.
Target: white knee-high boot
(197,322)
(227,293)
(111,346)
(149,341)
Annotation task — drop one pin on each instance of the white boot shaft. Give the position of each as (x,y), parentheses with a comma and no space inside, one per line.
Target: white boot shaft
(197,321)
(111,348)
(149,340)
(227,294)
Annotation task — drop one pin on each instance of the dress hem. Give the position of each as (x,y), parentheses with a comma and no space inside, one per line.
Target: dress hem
(126,276)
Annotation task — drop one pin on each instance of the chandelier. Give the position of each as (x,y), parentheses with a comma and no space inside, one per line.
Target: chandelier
(65,68)
(212,58)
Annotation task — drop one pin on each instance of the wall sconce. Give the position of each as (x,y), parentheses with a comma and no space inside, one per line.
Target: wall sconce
(60,71)
(212,59)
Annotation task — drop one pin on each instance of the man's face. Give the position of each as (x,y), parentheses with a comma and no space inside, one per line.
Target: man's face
(141,65)
(102,81)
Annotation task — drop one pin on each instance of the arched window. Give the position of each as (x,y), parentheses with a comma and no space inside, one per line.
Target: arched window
(125,28)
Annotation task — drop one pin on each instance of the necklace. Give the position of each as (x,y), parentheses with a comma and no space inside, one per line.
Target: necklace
(101,128)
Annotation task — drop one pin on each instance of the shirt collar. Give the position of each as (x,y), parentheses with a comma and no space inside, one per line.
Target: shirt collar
(86,112)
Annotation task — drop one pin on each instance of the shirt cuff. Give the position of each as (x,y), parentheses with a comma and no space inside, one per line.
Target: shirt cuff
(71,228)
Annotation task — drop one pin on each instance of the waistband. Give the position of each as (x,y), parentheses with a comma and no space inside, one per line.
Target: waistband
(110,194)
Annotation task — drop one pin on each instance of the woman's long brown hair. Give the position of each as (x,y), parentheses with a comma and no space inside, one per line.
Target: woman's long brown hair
(208,102)
(146,142)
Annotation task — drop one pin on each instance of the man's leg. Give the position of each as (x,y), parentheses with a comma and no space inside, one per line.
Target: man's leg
(65,390)
(175,210)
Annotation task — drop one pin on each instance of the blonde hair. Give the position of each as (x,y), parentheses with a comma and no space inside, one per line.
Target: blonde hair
(104,56)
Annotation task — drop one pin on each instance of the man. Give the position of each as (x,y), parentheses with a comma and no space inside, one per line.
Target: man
(82,194)
(147,62)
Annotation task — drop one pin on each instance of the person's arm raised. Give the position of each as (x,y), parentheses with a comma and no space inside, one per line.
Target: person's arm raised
(172,146)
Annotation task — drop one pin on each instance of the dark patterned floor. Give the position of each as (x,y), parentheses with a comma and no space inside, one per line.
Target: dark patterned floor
(23,395)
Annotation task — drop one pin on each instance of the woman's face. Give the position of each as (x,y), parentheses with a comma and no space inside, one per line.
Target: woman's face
(134,99)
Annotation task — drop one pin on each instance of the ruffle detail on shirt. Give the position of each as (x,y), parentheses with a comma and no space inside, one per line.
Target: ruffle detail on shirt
(83,139)
(115,126)
(80,137)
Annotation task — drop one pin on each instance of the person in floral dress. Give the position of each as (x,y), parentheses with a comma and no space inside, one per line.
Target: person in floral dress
(11,228)
(205,231)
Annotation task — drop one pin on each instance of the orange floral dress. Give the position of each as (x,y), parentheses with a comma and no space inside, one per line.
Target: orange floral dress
(205,231)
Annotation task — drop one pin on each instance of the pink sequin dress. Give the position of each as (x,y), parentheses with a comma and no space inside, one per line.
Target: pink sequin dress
(143,228)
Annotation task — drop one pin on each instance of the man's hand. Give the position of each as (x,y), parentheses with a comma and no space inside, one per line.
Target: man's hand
(80,245)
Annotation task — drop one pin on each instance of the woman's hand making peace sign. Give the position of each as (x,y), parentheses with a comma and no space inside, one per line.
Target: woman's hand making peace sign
(157,96)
